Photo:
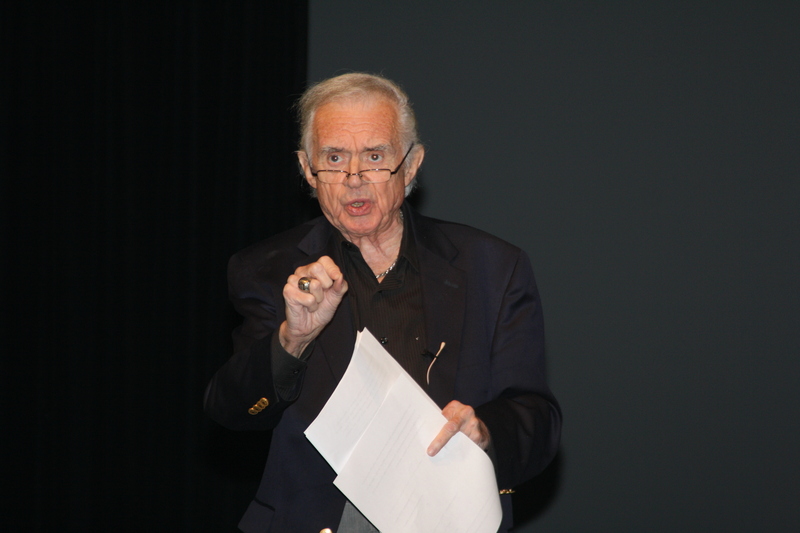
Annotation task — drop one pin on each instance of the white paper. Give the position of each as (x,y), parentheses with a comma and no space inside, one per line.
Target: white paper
(375,430)
(355,401)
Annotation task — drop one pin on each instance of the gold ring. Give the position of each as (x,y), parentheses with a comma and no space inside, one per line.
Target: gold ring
(304,284)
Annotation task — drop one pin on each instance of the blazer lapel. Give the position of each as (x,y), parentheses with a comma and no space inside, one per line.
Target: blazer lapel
(444,297)
(336,341)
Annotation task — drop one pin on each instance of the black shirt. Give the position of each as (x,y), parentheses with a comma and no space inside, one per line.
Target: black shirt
(391,310)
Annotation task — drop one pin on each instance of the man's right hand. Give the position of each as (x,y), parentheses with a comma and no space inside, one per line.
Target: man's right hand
(308,312)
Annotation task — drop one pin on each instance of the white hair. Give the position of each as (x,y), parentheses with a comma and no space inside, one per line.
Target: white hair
(358,85)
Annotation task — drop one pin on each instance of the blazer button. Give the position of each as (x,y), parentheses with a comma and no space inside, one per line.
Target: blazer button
(326,530)
(253,411)
(263,402)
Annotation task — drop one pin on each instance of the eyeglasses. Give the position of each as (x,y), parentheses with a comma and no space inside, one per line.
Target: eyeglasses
(369,175)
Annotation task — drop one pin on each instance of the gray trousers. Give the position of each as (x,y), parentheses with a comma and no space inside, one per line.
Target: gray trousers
(354,522)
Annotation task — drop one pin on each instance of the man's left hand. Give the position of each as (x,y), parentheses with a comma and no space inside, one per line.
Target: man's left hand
(461,418)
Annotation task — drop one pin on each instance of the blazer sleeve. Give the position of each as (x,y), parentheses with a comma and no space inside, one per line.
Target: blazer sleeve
(242,394)
(523,416)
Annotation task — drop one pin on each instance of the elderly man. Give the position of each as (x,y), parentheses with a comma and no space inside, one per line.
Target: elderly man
(426,288)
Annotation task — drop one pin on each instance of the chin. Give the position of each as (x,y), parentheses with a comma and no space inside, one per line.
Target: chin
(360,231)
(363,221)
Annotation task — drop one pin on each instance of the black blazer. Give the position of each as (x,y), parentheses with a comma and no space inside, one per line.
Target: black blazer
(480,298)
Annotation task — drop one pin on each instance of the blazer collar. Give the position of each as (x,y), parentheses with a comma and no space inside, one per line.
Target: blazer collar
(317,241)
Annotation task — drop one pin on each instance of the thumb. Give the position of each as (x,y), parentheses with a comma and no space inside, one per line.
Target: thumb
(339,287)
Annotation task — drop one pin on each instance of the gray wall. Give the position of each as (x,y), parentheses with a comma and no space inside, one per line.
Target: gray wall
(645,155)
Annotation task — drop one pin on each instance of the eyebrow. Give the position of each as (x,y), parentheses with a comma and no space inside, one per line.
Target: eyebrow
(379,148)
(330,149)
(336,149)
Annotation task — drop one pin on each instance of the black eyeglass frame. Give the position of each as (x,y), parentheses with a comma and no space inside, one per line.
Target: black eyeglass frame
(347,174)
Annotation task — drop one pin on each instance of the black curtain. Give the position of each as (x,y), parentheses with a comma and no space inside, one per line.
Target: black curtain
(142,144)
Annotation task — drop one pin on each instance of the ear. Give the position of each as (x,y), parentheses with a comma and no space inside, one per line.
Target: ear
(302,158)
(416,161)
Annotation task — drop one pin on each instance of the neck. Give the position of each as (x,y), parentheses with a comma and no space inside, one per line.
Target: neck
(381,251)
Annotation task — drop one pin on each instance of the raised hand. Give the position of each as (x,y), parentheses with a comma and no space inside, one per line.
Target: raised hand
(307,312)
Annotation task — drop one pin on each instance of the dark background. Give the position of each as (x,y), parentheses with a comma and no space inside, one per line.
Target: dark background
(645,155)
(143,144)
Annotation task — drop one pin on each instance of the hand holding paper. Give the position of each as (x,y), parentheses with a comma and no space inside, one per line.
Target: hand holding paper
(460,418)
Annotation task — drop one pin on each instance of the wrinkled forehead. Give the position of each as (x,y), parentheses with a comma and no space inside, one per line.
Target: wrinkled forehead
(354,122)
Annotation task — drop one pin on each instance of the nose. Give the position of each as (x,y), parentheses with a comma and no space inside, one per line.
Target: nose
(354,165)
(353,180)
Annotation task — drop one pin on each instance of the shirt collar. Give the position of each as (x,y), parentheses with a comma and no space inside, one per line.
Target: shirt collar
(408,247)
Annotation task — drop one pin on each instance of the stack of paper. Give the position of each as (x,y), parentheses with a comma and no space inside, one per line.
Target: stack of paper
(375,430)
